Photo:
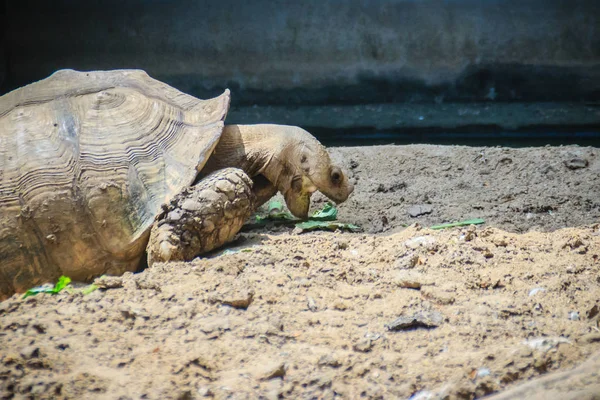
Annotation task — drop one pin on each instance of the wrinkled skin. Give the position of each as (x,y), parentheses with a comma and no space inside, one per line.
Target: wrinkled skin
(281,158)
(202,217)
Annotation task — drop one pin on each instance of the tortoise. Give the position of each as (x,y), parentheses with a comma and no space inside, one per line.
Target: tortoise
(99,168)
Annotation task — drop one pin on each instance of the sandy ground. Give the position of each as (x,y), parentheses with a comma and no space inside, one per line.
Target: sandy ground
(395,311)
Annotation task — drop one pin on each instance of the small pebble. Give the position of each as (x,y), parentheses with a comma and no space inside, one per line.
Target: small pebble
(574,316)
(30,352)
(270,370)
(363,346)
(312,305)
(418,210)
(418,320)
(535,291)
(419,241)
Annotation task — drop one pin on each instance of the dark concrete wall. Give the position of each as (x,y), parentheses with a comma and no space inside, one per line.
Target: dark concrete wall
(317,52)
(3,60)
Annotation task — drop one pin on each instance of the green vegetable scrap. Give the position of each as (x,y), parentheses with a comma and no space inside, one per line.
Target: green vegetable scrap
(327,213)
(89,289)
(325,225)
(322,219)
(235,251)
(63,281)
(476,221)
(275,212)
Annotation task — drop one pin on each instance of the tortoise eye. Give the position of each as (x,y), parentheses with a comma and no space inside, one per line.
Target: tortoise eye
(336,175)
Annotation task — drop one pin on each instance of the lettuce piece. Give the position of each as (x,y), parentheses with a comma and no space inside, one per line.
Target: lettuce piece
(327,213)
(325,226)
(63,281)
(476,221)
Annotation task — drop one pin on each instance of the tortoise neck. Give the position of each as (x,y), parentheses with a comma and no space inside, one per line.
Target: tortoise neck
(251,148)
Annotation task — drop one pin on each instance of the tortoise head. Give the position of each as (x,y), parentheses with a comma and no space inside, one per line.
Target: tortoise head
(290,160)
(307,165)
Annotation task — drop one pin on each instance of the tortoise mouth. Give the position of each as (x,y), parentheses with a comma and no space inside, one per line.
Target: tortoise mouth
(340,196)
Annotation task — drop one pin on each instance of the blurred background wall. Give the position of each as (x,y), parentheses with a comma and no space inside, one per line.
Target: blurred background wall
(314,52)
(277,53)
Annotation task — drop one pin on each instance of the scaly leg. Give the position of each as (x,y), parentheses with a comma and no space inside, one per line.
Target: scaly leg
(202,217)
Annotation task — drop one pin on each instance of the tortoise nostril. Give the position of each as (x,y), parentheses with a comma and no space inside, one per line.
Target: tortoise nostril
(336,175)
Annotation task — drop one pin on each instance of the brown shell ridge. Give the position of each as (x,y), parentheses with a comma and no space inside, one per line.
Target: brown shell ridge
(87,160)
(92,82)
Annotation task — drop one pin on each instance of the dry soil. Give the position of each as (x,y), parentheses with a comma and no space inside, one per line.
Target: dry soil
(396,311)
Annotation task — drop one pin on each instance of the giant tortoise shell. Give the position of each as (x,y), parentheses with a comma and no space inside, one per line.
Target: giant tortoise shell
(89,159)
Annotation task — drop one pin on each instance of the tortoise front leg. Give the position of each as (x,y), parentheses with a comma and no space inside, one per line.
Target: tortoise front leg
(202,217)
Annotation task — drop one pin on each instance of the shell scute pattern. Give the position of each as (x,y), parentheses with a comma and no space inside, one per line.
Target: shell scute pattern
(92,156)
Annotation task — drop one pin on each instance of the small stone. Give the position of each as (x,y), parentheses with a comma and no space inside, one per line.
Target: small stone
(270,370)
(418,320)
(363,346)
(576,163)
(409,280)
(241,300)
(545,343)
(535,291)
(204,391)
(304,282)
(419,241)
(407,284)
(483,372)
(574,316)
(109,282)
(329,360)
(421,209)
(312,305)
(30,352)
(407,262)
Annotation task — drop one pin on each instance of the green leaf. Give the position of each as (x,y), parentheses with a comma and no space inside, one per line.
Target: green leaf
(274,207)
(89,289)
(320,220)
(325,226)
(235,251)
(275,212)
(63,281)
(476,221)
(327,213)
